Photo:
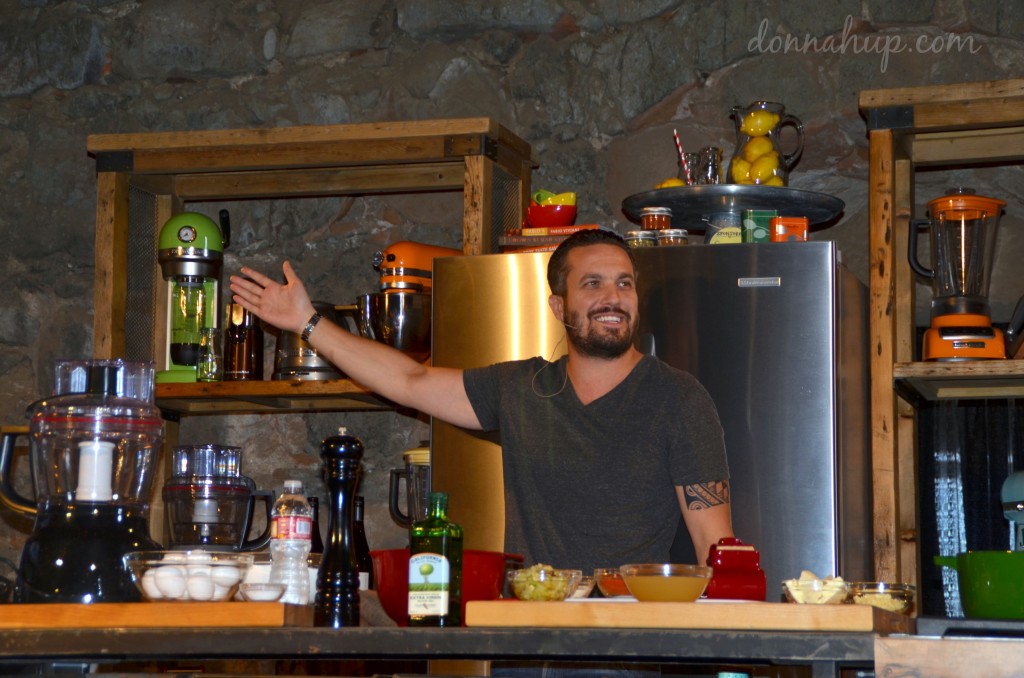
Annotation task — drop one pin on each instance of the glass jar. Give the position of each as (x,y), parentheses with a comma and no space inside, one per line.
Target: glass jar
(759,158)
(673,236)
(688,165)
(641,239)
(655,218)
(709,167)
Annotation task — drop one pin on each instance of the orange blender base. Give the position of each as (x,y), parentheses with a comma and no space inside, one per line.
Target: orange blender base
(963,336)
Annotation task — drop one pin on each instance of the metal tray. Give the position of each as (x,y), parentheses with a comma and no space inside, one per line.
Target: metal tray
(693,205)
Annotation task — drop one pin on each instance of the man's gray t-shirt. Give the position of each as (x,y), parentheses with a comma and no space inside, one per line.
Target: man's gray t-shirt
(594,486)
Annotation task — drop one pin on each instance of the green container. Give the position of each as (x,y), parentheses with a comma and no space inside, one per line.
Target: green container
(991,583)
(757,225)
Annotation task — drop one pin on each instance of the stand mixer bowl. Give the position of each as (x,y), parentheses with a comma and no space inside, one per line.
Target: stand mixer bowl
(399,319)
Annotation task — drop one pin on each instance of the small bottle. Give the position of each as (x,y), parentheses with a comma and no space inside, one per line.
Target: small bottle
(435,568)
(363,560)
(291,532)
(709,170)
(318,542)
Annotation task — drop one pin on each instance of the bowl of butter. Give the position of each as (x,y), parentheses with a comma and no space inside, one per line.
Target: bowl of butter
(810,589)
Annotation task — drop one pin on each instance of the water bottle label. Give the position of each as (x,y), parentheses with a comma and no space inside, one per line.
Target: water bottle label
(291,527)
(429,576)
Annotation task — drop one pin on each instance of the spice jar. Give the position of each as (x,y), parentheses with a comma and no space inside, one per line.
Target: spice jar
(655,218)
(641,239)
(673,236)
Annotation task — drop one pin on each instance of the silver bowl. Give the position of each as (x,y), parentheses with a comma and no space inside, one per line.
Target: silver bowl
(399,319)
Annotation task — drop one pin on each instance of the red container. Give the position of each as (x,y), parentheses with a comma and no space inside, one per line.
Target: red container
(549,216)
(483,576)
(736,571)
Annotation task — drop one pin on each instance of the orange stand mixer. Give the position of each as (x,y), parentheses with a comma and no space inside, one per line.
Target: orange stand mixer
(962,233)
(408,266)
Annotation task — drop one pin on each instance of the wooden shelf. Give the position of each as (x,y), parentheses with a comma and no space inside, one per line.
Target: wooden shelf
(932,381)
(958,124)
(253,397)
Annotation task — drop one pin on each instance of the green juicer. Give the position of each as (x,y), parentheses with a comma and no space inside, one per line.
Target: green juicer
(191,257)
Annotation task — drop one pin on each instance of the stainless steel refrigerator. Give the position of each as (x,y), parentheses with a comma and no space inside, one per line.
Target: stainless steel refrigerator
(776,332)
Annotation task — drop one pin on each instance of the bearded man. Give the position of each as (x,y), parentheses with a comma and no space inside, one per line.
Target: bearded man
(603,449)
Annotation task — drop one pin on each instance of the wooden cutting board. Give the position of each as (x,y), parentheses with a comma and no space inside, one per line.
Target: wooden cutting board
(153,615)
(739,616)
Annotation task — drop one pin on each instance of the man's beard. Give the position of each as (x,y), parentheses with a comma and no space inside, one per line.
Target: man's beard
(598,344)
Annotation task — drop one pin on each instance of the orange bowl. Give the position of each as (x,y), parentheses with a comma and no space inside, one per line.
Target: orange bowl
(547,216)
(483,577)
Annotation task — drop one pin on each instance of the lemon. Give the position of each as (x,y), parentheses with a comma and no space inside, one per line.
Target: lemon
(759,123)
(560,199)
(763,169)
(739,171)
(539,196)
(671,182)
(757,147)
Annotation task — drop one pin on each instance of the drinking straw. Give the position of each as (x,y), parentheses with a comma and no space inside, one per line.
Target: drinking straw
(682,157)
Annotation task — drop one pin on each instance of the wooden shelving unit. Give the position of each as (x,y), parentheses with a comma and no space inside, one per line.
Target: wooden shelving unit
(143,179)
(947,125)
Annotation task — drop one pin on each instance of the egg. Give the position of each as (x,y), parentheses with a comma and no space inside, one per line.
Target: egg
(226,575)
(170,580)
(149,585)
(200,587)
(198,557)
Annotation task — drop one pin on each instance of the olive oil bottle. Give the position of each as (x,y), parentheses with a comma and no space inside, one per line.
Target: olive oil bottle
(435,567)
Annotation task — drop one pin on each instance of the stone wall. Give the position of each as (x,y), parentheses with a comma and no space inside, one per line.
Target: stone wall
(596,87)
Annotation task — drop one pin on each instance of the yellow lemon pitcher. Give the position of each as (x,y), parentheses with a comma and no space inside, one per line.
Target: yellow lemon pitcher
(758,158)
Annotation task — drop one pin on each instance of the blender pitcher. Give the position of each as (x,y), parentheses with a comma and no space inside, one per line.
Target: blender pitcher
(93,446)
(416,476)
(758,158)
(962,234)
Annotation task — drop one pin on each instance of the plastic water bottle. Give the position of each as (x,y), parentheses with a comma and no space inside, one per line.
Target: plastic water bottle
(291,535)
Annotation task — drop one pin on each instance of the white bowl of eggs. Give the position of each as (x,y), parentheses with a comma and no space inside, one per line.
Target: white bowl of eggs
(207,576)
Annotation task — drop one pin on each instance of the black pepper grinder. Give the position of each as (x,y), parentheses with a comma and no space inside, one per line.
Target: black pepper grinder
(337,582)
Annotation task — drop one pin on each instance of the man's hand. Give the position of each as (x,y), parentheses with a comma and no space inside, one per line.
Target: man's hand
(284,306)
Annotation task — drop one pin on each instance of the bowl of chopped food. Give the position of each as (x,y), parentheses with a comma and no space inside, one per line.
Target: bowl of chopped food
(666,582)
(810,589)
(891,597)
(543,582)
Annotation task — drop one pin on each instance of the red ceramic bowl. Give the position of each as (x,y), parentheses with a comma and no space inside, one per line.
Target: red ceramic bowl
(546,216)
(483,576)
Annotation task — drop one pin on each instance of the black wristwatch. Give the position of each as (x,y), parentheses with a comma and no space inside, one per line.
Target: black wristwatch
(311,325)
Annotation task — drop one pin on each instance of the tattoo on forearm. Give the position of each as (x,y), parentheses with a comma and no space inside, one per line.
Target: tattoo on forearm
(705,495)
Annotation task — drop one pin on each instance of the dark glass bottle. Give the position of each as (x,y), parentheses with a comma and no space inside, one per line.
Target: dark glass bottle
(363,560)
(435,568)
(318,540)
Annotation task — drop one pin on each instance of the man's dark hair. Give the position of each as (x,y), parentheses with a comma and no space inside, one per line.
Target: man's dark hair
(558,264)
